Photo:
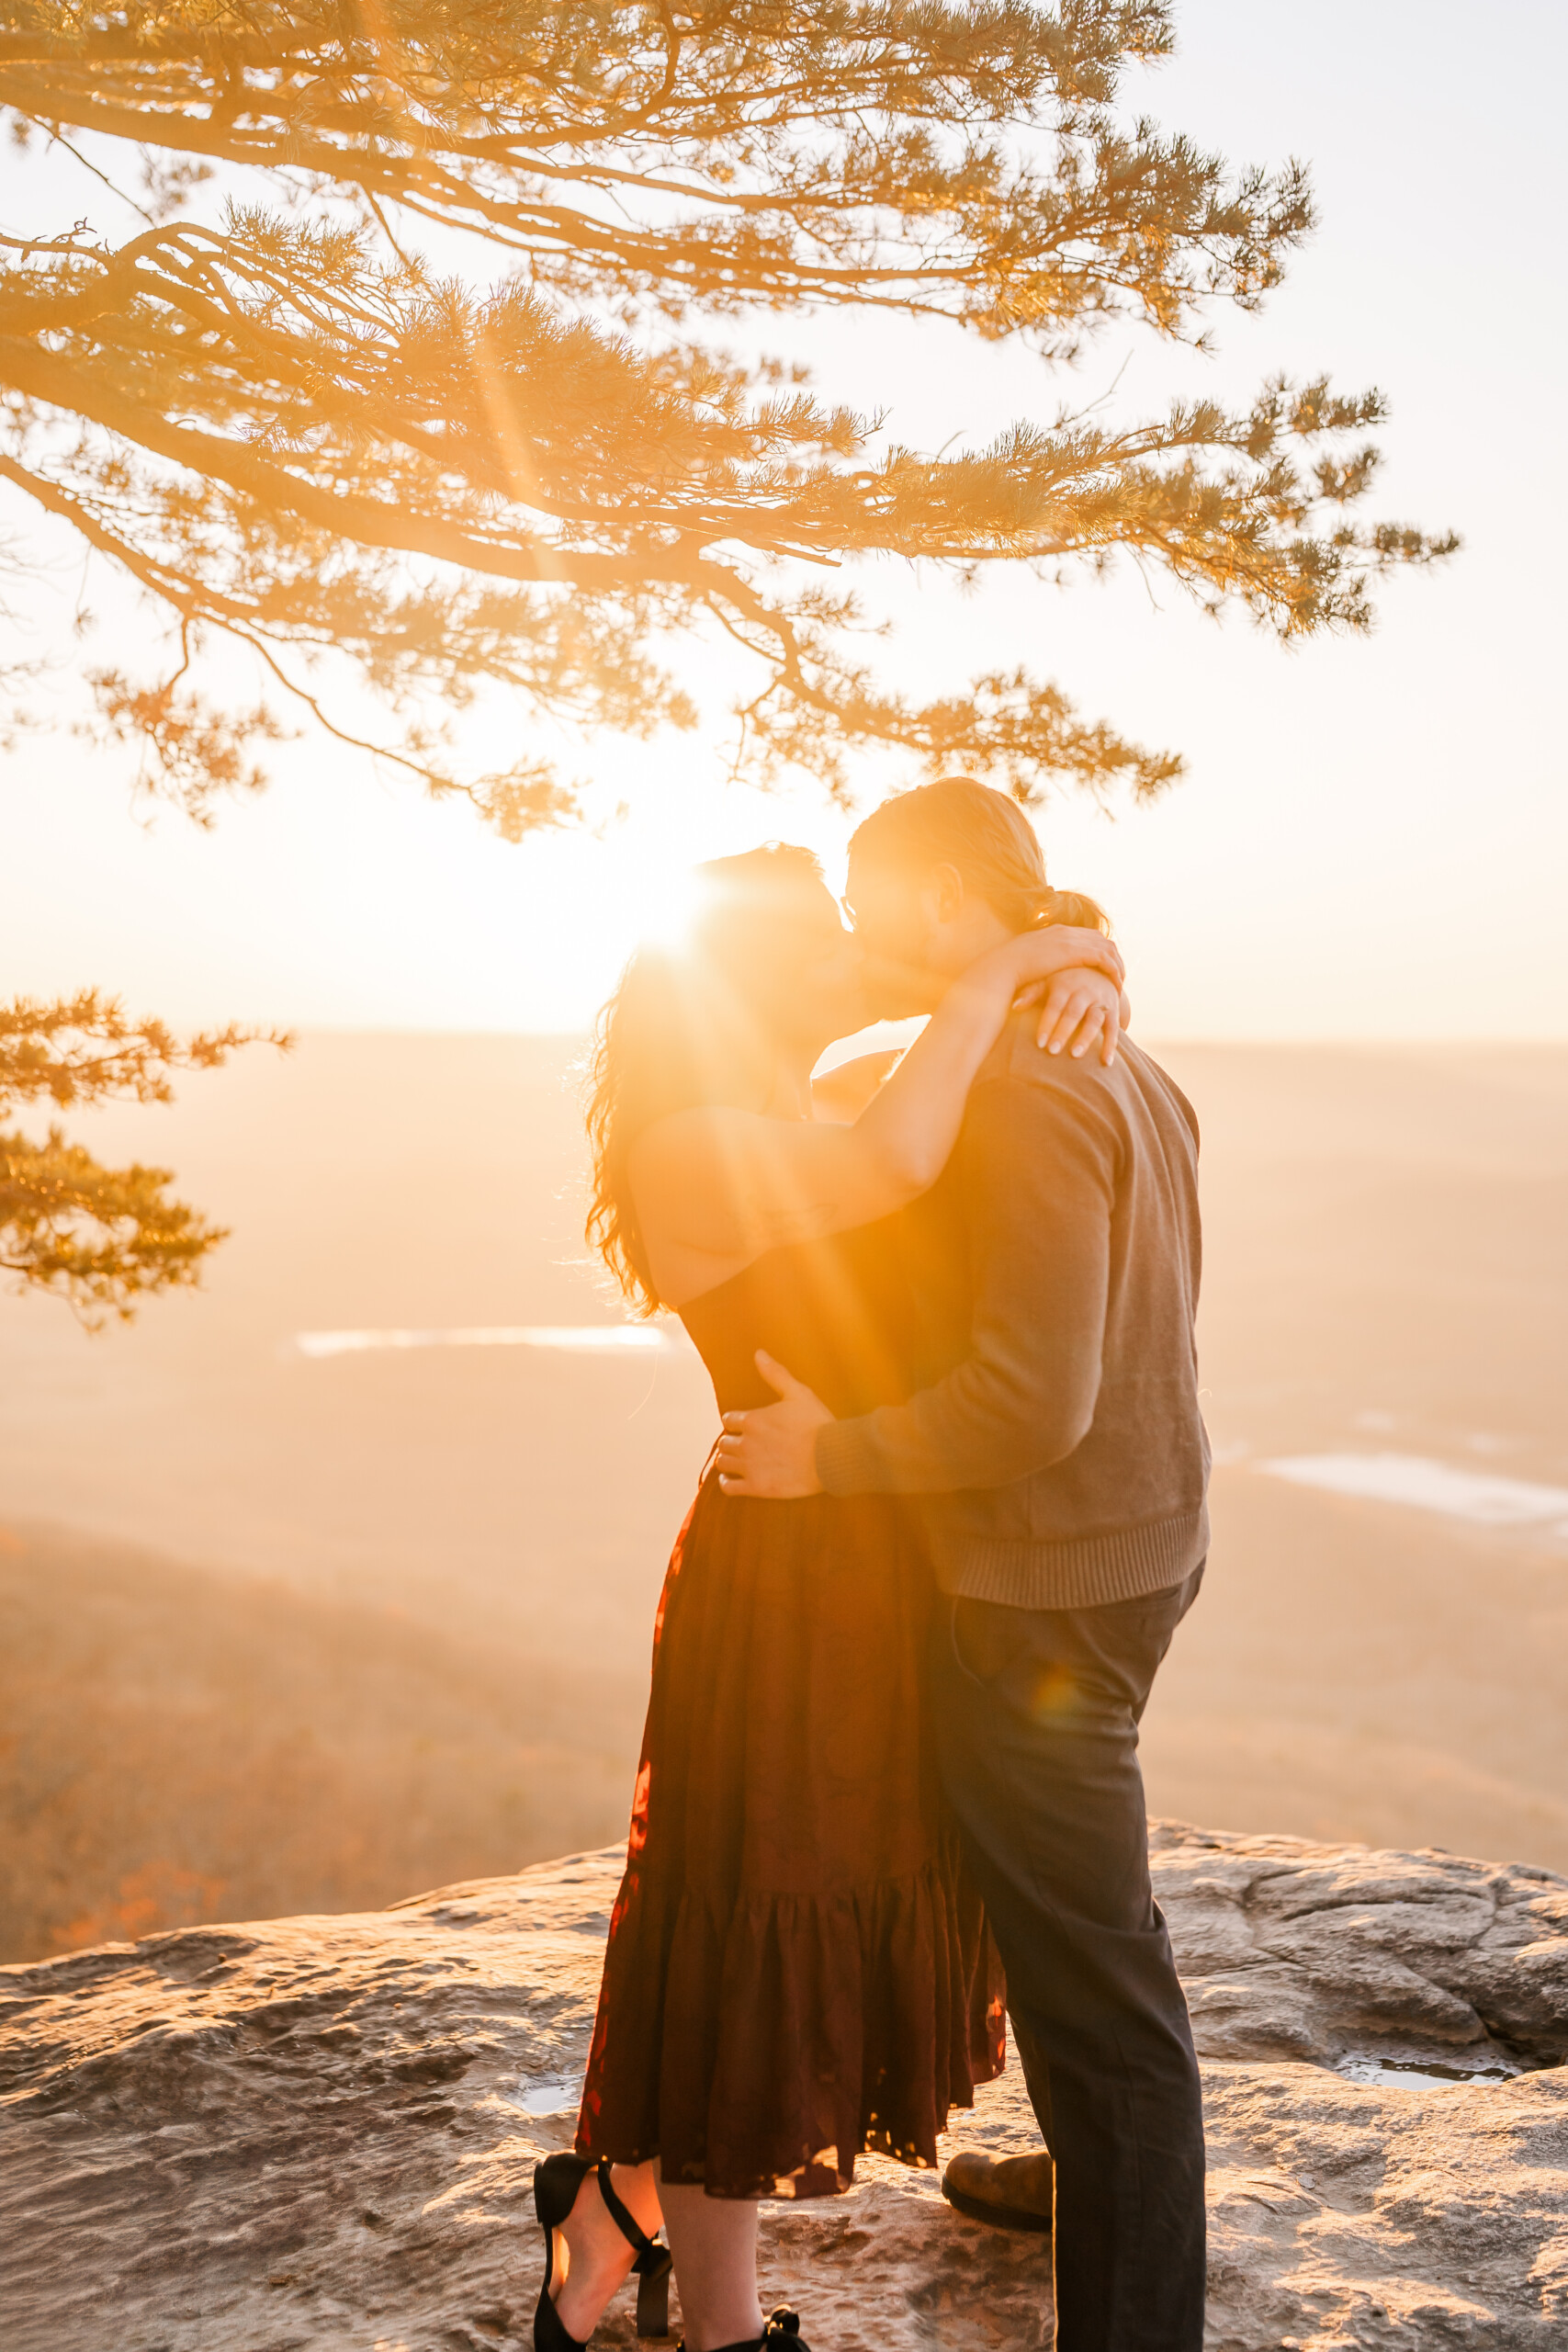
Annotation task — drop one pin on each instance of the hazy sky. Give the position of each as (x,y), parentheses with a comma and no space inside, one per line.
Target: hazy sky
(1372,838)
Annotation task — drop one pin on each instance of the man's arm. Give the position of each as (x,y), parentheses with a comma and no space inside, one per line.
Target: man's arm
(1038,1170)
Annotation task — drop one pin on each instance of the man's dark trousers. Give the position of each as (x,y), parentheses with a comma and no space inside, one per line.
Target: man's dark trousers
(1037,1729)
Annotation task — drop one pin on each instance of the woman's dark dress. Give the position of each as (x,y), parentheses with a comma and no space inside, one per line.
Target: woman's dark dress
(797,1967)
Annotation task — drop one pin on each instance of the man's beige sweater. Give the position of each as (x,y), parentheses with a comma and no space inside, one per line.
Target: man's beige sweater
(1060,1453)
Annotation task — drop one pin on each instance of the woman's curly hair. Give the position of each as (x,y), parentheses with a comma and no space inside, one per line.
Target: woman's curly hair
(685,1027)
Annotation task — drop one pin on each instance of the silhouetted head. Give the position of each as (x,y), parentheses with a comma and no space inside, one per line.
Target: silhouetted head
(938,875)
(760,974)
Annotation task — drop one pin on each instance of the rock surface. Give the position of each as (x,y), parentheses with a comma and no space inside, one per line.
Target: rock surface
(321,2132)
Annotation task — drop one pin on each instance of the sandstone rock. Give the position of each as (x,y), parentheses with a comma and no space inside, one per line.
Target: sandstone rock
(1293,1950)
(320,2133)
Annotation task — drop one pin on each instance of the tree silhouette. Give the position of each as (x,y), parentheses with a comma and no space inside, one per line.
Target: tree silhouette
(289,430)
(100,1237)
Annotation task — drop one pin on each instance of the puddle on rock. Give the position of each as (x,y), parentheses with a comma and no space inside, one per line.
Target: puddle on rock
(551,2095)
(1420,2074)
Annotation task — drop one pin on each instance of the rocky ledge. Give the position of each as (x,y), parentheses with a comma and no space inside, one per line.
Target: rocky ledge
(314,2132)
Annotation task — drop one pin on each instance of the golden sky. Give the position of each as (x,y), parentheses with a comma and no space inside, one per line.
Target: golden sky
(1373,836)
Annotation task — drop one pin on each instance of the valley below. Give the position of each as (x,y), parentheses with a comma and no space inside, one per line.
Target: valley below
(283,1631)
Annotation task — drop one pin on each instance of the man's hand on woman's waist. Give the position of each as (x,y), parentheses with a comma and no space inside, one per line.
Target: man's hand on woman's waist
(769,1452)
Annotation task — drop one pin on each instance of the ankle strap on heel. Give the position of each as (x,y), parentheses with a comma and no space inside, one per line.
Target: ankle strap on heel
(651,2266)
(780,2332)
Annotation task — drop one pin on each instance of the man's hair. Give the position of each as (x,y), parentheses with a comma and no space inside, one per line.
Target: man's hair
(986,838)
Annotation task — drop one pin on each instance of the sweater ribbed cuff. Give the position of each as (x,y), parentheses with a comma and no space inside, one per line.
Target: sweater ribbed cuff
(847,1459)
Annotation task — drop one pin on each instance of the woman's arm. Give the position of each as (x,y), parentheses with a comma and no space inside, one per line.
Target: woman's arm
(842,1093)
(716,1187)
(1075,1013)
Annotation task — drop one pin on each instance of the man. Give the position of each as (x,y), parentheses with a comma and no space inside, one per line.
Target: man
(1062,1464)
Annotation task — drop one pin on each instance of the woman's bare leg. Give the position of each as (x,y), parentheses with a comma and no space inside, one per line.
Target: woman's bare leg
(597,2255)
(713,2241)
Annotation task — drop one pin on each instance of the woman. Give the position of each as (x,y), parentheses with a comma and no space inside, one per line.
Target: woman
(798,1968)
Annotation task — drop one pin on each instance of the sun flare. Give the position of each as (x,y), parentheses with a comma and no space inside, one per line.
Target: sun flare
(670,897)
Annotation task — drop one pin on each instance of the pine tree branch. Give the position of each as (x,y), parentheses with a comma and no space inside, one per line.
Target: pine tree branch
(39,375)
(281,435)
(101,1239)
(80,1051)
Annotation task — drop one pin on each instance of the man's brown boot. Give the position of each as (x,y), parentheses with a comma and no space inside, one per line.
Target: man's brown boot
(1010,2192)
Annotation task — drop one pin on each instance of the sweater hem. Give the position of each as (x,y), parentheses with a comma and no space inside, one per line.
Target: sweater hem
(1085,1572)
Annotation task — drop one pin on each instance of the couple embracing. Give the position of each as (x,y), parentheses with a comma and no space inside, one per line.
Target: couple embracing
(889,1791)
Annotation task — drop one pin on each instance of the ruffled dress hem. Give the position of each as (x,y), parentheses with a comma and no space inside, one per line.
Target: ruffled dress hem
(847,1985)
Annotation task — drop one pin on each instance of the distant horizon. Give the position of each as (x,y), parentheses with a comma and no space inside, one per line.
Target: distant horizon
(1174,1038)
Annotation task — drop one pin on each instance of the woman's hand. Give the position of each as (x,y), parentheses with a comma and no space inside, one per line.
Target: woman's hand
(1080,1010)
(1078,972)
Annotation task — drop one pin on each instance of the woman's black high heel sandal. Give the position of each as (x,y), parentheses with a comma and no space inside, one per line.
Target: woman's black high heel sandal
(780,2332)
(556,2183)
